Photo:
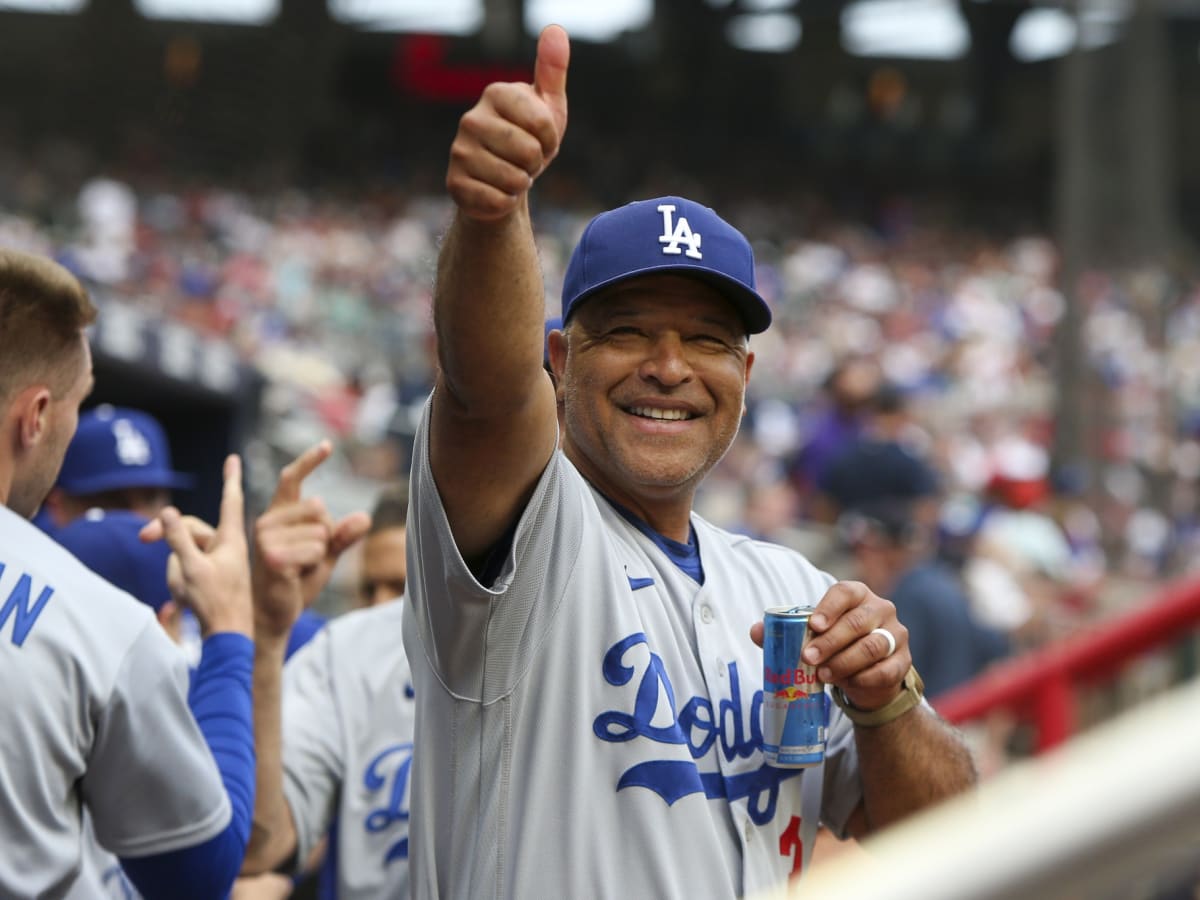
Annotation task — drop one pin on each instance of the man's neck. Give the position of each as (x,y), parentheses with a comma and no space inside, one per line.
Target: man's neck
(670,514)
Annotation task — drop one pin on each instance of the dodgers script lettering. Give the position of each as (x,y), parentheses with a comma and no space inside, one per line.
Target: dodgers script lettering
(387,774)
(694,725)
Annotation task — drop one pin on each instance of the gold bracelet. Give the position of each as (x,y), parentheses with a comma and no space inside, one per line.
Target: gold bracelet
(910,696)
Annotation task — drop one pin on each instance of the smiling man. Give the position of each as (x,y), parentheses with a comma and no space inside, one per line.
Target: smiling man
(588,689)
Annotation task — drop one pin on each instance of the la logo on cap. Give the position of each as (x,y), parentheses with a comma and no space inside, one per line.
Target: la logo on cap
(679,232)
(132,447)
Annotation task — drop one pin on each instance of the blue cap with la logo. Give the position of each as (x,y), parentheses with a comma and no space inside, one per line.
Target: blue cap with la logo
(666,235)
(116,448)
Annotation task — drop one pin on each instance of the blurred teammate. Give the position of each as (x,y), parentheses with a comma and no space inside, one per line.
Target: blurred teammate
(383,571)
(108,543)
(336,738)
(587,686)
(119,458)
(96,719)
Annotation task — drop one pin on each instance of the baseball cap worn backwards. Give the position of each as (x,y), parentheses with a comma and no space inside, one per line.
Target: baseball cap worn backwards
(107,542)
(666,235)
(116,448)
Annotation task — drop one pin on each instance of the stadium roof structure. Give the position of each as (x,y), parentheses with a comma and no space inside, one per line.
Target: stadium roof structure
(899,92)
(918,29)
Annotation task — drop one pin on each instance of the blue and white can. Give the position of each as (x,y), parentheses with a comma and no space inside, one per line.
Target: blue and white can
(795,707)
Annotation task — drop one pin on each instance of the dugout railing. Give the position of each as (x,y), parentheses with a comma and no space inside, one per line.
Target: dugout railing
(1043,686)
(1113,814)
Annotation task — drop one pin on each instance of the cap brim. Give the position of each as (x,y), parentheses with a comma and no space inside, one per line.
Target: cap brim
(115,481)
(750,306)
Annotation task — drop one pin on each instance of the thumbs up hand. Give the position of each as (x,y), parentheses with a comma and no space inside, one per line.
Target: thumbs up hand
(508,138)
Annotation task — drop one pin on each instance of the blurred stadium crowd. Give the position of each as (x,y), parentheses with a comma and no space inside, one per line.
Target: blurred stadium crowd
(327,295)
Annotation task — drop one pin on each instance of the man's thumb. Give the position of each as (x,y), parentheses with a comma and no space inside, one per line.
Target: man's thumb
(348,532)
(550,70)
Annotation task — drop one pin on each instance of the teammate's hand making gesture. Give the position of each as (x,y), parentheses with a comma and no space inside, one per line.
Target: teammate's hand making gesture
(209,569)
(296,545)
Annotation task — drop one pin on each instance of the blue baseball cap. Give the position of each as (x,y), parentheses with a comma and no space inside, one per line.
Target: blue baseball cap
(107,542)
(115,448)
(667,235)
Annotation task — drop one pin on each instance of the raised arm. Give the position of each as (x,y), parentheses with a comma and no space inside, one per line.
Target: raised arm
(296,545)
(493,422)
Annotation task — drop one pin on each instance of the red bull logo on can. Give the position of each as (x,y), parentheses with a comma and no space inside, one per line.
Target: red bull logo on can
(801,677)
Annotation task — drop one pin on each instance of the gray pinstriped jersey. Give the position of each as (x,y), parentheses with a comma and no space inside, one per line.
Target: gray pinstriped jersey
(95,716)
(589,724)
(348,716)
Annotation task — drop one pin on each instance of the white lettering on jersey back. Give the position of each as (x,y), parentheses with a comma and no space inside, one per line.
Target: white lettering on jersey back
(132,447)
(679,232)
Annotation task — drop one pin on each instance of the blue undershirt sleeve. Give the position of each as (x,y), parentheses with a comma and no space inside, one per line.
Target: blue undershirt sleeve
(220,700)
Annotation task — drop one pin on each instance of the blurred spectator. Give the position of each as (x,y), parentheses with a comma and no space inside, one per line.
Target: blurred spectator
(108,213)
(1016,533)
(836,422)
(881,462)
(770,508)
(996,596)
(892,552)
(770,512)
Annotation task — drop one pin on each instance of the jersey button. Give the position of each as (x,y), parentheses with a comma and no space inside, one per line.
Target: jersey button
(749,831)
(706,614)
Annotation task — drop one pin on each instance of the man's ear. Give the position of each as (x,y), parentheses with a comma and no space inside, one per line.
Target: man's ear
(32,408)
(749,367)
(556,349)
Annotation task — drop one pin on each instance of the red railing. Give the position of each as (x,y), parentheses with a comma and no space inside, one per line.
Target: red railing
(1041,685)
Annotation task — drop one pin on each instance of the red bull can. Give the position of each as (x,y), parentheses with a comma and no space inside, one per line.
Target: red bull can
(795,707)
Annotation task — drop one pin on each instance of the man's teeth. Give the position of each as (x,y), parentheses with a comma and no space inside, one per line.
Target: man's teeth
(666,414)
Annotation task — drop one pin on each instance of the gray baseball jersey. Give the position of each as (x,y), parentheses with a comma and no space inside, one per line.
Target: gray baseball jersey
(95,716)
(589,723)
(348,715)
(102,876)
